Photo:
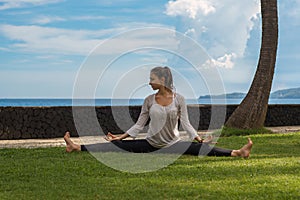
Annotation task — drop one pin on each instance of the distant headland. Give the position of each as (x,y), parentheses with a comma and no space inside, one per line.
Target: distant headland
(292,93)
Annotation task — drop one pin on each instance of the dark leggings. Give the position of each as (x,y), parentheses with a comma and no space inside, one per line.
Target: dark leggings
(142,146)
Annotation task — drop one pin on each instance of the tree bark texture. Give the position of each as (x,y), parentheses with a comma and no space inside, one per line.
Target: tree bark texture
(251,113)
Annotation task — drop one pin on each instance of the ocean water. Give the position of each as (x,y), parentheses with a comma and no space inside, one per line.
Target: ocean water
(119,102)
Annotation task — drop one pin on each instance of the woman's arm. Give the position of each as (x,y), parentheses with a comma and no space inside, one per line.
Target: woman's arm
(137,127)
(184,120)
(143,118)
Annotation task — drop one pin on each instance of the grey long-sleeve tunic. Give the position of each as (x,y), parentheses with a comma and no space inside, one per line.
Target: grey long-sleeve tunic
(163,126)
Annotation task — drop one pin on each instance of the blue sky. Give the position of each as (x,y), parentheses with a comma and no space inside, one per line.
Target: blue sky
(49,48)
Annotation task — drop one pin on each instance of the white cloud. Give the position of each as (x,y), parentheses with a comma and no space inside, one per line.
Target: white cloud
(47,19)
(189,8)
(42,20)
(4,49)
(221,27)
(87,17)
(190,32)
(226,61)
(9,4)
(48,40)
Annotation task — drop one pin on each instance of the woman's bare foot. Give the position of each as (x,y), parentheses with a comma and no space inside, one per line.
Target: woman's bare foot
(70,146)
(244,151)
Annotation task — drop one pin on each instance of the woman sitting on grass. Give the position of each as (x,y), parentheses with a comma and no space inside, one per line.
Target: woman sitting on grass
(164,109)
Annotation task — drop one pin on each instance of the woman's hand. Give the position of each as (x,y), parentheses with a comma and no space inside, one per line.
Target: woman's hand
(208,140)
(111,137)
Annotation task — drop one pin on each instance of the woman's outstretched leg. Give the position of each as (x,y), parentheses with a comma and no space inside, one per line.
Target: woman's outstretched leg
(70,146)
(207,150)
(244,151)
(136,146)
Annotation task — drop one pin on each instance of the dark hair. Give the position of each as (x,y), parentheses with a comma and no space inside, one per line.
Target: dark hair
(166,73)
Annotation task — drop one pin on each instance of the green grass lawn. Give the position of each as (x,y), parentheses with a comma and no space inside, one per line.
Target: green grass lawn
(272,172)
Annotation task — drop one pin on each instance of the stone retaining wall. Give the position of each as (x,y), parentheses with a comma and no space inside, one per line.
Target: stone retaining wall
(51,122)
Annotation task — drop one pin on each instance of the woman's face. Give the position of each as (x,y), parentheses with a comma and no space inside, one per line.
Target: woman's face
(155,82)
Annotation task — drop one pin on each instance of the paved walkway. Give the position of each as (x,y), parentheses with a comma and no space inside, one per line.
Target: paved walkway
(59,142)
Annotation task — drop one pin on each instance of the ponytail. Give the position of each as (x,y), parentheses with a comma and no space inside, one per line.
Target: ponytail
(167,74)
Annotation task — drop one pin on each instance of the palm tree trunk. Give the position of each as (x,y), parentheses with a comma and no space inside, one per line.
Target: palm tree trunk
(251,113)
